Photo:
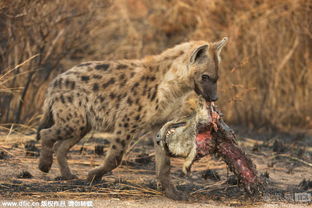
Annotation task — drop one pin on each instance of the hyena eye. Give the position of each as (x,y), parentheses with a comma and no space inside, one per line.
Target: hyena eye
(205,77)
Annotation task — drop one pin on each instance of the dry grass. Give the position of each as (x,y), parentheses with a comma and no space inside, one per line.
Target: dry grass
(266,76)
(57,31)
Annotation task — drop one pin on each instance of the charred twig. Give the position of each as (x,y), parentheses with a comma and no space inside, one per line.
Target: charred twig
(294,158)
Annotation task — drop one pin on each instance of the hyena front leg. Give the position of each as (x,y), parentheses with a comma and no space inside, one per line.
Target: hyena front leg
(118,146)
(61,152)
(112,160)
(126,127)
(163,172)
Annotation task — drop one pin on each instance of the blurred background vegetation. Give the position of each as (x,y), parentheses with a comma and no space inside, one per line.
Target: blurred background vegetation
(266,78)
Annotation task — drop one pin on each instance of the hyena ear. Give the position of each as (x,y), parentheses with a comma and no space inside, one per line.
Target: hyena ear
(199,54)
(220,44)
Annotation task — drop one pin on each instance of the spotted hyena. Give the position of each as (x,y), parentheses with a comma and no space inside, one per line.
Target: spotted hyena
(126,98)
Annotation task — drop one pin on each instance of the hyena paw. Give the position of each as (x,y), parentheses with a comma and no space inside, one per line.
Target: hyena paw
(45,166)
(94,177)
(176,195)
(45,160)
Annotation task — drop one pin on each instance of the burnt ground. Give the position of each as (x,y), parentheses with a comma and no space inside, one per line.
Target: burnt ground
(284,161)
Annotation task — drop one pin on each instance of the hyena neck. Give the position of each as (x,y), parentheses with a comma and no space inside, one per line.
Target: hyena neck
(170,68)
(174,86)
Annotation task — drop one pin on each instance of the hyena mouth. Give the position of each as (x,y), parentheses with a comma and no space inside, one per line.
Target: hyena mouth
(200,128)
(172,128)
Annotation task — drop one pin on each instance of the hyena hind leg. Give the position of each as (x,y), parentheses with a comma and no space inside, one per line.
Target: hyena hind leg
(48,138)
(70,124)
(60,139)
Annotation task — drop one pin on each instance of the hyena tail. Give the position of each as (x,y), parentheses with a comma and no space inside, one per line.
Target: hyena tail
(46,120)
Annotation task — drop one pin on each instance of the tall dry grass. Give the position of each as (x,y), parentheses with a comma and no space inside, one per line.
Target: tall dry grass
(56,31)
(267,69)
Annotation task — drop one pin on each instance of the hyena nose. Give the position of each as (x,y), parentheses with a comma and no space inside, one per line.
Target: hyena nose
(158,138)
(213,99)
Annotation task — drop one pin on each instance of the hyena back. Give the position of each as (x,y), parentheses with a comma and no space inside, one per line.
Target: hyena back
(126,98)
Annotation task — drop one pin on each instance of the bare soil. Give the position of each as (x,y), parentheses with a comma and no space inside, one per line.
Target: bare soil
(283,161)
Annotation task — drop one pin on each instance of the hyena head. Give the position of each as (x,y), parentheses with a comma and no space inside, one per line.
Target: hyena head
(203,69)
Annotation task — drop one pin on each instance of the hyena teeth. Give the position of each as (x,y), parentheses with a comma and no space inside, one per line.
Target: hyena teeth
(170,132)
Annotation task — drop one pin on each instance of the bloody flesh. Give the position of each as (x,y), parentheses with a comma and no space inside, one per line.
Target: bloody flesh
(219,139)
(204,144)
